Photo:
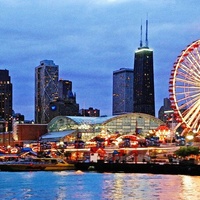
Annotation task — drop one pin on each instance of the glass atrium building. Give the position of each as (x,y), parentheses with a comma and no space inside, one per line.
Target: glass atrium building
(61,127)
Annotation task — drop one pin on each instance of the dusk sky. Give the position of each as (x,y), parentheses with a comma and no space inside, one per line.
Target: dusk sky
(89,39)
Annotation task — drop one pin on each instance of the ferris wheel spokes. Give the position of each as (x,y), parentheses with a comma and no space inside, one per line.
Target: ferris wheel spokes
(184,86)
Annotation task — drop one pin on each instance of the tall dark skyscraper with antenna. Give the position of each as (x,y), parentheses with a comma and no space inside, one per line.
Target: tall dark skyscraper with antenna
(143,83)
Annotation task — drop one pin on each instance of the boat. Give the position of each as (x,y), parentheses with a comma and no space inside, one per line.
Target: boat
(153,168)
(36,164)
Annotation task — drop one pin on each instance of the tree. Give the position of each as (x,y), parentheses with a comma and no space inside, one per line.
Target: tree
(187,151)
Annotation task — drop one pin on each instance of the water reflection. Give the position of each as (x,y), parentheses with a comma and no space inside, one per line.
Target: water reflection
(190,187)
(86,186)
(140,186)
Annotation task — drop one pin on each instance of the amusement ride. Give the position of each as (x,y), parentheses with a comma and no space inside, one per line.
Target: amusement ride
(184,88)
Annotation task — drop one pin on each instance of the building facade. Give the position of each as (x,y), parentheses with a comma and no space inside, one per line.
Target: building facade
(91,112)
(64,88)
(122,91)
(28,133)
(66,102)
(46,89)
(62,126)
(165,112)
(144,100)
(63,107)
(5,101)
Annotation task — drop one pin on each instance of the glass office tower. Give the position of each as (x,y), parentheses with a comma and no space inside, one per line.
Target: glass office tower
(122,91)
(46,89)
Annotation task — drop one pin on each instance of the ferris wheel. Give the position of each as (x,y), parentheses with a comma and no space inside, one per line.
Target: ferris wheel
(184,87)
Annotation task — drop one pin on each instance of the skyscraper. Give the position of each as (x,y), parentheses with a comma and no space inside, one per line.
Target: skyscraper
(122,91)
(165,111)
(5,101)
(64,88)
(144,79)
(66,102)
(46,89)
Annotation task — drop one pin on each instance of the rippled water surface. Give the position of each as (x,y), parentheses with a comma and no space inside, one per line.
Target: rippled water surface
(91,185)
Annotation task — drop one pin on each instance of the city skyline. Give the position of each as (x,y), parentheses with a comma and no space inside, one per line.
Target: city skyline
(90,40)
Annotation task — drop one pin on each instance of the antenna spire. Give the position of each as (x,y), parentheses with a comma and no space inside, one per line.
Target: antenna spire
(147,33)
(141,35)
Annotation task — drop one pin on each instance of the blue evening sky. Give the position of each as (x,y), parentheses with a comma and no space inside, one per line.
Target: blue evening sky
(89,39)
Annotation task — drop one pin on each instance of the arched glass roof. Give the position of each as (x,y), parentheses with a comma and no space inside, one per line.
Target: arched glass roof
(62,123)
(92,126)
(126,121)
(89,120)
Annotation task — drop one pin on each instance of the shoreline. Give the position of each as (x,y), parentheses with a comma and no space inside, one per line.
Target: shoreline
(152,168)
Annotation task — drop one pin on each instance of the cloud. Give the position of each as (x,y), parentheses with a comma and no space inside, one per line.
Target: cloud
(89,40)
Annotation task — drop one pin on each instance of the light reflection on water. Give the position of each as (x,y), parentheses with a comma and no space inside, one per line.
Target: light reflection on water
(91,185)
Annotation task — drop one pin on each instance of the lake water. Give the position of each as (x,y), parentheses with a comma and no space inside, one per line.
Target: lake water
(92,185)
